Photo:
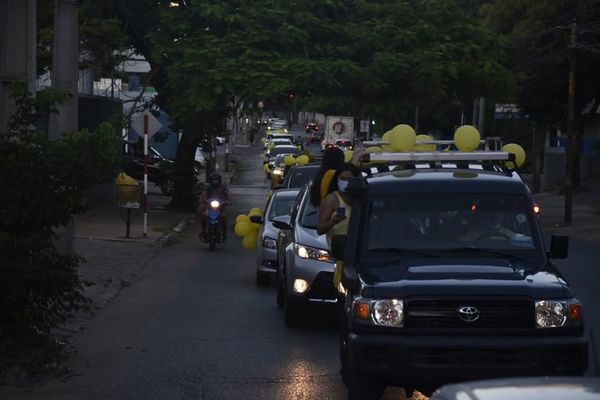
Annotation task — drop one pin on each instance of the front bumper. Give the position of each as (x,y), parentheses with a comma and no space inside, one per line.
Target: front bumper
(266,260)
(318,274)
(432,359)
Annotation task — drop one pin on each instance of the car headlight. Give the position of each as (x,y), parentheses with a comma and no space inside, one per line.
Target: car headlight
(386,312)
(312,253)
(557,313)
(269,243)
(215,204)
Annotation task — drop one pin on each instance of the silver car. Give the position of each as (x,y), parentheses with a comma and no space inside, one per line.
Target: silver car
(278,204)
(305,273)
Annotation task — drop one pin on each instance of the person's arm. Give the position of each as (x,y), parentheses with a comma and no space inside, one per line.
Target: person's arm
(326,218)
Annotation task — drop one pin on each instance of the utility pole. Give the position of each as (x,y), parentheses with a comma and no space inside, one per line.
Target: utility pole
(481,122)
(475,111)
(571,126)
(65,66)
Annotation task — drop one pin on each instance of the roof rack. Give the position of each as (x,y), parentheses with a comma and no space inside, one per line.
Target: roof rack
(491,143)
(435,156)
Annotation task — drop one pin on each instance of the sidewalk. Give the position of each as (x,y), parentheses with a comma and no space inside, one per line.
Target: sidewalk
(112,261)
(586,212)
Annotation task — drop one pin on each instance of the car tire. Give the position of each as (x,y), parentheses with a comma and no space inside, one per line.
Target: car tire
(293,312)
(167,187)
(262,279)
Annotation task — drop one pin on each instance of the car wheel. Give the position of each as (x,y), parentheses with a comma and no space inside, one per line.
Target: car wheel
(262,279)
(293,311)
(168,186)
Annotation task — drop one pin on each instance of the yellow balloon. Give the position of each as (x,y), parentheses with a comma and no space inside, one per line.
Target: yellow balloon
(374,149)
(255,211)
(466,138)
(242,228)
(254,227)
(348,154)
(289,160)
(266,168)
(242,218)
(388,148)
(302,160)
(386,136)
(403,137)
(519,153)
(424,147)
(249,241)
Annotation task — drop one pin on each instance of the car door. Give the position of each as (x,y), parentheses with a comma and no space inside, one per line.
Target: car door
(286,237)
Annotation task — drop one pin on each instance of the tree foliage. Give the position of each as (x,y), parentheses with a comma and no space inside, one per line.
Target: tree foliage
(44,185)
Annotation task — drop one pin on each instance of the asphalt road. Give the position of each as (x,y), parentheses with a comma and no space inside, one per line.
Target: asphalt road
(196,326)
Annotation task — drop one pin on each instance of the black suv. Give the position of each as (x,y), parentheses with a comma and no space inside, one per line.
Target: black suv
(447,278)
(160,168)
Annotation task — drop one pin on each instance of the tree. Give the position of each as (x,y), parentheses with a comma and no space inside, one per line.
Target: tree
(537,34)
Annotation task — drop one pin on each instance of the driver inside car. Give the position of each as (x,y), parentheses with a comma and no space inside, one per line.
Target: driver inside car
(215,190)
(485,226)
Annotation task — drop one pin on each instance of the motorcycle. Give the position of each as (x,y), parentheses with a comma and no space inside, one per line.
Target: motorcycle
(214,226)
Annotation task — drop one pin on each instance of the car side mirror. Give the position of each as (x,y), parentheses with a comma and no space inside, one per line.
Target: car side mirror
(559,246)
(256,219)
(338,246)
(283,222)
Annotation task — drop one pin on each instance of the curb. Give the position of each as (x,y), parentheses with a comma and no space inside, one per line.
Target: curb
(168,238)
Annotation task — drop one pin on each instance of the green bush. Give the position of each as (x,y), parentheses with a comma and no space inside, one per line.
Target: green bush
(43,185)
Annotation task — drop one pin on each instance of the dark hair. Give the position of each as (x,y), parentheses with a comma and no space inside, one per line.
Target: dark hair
(333,158)
(354,170)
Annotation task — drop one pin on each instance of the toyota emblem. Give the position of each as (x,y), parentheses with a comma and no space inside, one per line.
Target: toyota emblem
(468,313)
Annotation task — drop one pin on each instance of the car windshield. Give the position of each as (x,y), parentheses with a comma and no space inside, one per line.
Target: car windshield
(283,150)
(299,177)
(309,215)
(343,143)
(460,223)
(282,204)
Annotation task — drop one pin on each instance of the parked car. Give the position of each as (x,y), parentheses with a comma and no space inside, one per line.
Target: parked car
(199,157)
(160,168)
(279,203)
(542,388)
(278,141)
(315,137)
(305,273)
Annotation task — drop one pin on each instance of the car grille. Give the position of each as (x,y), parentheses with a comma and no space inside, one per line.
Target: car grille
(494,314)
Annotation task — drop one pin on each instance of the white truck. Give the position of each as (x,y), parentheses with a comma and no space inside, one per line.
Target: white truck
(337,128)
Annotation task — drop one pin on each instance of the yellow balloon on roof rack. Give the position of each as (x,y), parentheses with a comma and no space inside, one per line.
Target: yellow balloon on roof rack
(266,168)
(348,154)
(374,149)
(466,138)
(386,136)
(388,148)
(424,147)
(403,137)
(519,153)
(302,160)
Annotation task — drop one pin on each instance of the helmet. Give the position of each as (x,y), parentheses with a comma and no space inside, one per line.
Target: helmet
(215,177)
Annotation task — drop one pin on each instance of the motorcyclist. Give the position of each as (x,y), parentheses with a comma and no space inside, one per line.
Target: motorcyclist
(215,190)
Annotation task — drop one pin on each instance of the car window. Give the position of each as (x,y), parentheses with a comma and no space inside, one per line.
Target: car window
(299,177)
(462,220)
(309,215)
(281,205)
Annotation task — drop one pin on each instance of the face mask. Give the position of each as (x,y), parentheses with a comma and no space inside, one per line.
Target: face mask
(342,185)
